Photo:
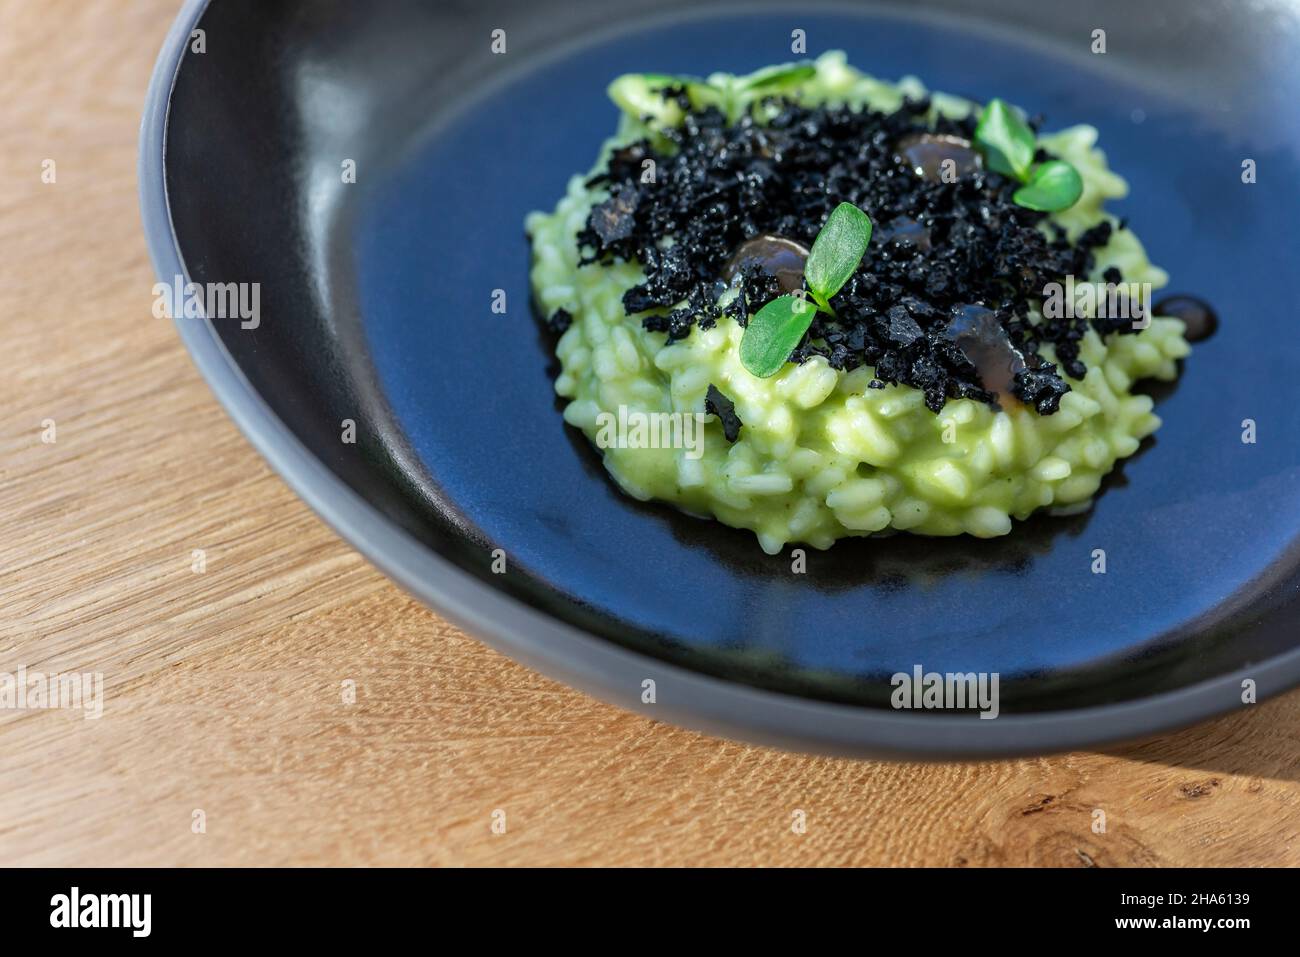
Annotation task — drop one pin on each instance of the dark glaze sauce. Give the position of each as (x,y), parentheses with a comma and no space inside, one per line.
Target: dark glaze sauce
(781,257)
(925,153)
(1199,315)
(980,336)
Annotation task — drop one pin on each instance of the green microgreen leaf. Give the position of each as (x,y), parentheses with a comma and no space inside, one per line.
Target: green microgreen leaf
(773,333)
(775,78)
(837,251)
(1006,141)
(1053,186)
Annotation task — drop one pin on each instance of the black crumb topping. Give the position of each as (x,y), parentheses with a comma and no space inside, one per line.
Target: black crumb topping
(560,321)
(715,403)
(936,246)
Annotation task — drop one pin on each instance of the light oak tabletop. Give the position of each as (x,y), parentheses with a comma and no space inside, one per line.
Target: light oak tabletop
(225,738)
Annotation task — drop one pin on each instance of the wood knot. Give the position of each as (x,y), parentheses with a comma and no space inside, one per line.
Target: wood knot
(1200,789)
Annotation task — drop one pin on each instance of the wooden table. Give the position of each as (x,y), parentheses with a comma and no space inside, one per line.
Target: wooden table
(223,687)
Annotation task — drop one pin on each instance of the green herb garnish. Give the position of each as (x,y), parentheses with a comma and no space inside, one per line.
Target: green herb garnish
(1052,185)
(777,328)
(1008,146)
(836,252)
(773,333)
(1006,140)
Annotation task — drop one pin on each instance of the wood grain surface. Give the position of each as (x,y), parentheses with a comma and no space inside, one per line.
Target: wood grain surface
(222,688)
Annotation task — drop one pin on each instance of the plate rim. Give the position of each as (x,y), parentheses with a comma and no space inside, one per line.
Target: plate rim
(595,665)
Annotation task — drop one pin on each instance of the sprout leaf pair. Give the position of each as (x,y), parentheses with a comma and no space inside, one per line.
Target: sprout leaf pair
(1009,146)
(777,328)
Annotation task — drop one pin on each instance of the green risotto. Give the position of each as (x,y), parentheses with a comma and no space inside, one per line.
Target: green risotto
(825,452)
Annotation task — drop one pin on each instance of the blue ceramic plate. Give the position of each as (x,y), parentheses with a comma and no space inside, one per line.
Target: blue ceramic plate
(375,308)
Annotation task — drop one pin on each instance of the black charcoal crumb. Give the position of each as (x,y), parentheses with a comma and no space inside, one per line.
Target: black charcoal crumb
(720,185)
(1041,387)
(715,403)
(615,218)
(560,321)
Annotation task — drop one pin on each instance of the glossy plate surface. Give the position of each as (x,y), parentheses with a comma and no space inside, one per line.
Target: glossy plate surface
(375,307)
